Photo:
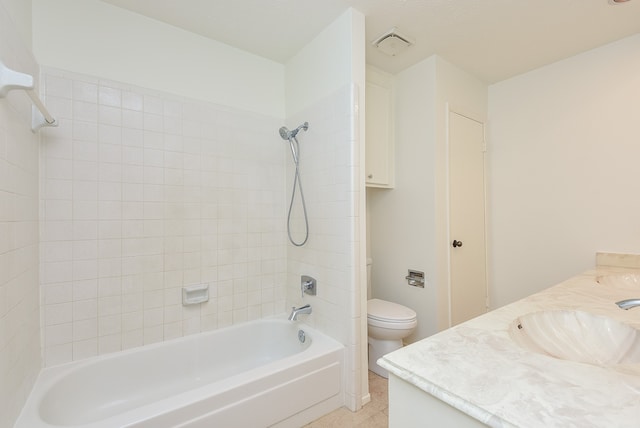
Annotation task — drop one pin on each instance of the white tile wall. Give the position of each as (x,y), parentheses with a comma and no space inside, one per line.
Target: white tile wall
(19,318)
(329,168)
(142,193)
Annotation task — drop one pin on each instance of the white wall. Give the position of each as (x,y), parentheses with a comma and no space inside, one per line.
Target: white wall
(417,206)
(98,39)
(325,64)
(19,11)
(19,298)
(563,162)
(402,220)
(322,88)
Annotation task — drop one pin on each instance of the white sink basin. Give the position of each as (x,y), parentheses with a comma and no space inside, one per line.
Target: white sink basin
(578,336)
(628,281)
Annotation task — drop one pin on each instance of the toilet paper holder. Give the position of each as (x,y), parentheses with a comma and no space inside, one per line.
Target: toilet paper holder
(415,278)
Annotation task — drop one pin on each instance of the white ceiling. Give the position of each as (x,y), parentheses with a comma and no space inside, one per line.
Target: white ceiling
(492,39)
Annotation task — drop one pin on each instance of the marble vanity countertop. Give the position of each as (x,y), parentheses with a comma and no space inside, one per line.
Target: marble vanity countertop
(477,368)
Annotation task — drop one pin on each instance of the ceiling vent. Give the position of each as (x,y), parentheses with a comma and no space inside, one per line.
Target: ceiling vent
(392,42)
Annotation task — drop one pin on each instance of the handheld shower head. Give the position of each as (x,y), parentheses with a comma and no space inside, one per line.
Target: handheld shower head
(288,135)
(291,137)
(285,133)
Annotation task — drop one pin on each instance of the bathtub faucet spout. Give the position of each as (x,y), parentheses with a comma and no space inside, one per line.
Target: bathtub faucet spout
(628,304)
(306,309)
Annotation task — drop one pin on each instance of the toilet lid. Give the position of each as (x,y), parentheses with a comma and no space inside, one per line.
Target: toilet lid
(388,311)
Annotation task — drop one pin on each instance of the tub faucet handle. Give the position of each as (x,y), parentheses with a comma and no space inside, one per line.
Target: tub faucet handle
(307,285)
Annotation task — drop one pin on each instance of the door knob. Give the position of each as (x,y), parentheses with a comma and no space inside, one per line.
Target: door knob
(456,243)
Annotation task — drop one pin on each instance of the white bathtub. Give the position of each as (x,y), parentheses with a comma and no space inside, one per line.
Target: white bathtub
(256,374)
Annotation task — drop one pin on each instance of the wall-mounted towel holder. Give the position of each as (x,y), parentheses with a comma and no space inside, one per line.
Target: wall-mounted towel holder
(11,79)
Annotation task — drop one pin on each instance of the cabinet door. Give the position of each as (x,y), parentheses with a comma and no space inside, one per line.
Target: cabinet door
(379,158)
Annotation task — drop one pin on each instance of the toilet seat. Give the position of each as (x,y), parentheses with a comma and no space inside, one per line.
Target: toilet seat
(404,325)
(386,314)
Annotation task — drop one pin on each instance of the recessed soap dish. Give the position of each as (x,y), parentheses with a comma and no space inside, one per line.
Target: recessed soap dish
(194,294)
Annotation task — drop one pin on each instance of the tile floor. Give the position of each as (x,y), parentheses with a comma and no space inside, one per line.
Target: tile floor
(374,414)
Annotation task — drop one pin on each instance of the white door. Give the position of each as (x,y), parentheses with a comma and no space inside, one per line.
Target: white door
(467,246)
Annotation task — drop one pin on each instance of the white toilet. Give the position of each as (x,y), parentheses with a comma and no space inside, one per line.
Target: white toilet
(387,323)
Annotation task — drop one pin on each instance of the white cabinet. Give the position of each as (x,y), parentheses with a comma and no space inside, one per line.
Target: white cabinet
(379,145)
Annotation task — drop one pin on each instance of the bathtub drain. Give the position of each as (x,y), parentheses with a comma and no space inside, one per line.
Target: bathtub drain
(301,336)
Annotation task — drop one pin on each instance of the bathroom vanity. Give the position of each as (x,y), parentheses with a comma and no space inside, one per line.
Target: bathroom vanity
(497,369)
